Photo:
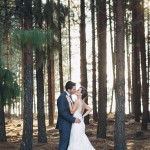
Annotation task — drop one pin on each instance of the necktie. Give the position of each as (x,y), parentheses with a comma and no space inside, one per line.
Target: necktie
(71,99)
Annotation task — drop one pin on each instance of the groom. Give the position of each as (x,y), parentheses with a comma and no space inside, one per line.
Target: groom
(65,118)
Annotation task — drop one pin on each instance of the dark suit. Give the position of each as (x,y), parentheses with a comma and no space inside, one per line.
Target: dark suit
(64,121)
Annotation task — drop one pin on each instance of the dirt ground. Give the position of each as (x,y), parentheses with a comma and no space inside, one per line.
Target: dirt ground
(136,139)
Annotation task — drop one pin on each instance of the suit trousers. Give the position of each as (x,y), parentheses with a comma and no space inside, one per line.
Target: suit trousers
(64,140)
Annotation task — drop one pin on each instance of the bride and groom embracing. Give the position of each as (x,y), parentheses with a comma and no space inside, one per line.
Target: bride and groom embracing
(70,120)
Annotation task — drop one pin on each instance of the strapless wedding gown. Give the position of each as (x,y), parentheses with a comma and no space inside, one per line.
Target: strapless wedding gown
(78,138)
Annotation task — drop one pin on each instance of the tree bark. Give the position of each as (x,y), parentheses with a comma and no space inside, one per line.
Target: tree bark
(60,51)
(27,136)
(40,104)
(50,66)
(83,61)
(112,53)
(102,76)
(3,137)
(94,93)
(119,135)
(136,84)
(69,38)
(128,62)
(51,86)
(145,115)
(39,80)
(148,51)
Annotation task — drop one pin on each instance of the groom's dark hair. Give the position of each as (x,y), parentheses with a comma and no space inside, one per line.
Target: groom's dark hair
(69,85)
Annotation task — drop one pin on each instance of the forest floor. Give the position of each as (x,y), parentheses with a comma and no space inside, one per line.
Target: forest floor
(136,139)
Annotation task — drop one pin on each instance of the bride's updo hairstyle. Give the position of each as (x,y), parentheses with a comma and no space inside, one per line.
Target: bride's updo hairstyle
(84,92)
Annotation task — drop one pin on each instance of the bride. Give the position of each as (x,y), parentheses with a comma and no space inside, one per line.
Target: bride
(78,138)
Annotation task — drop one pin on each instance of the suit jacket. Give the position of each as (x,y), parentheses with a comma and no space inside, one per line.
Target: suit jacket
(65,118)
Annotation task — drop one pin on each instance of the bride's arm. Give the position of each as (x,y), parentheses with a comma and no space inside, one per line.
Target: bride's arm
(74,107)
(89,109)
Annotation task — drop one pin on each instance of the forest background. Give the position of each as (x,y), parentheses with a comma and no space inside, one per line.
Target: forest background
(101,45)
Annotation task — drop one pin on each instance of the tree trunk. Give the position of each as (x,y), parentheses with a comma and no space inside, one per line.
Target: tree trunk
(69,37)
(119,135)
(83,61)
(27,136)
(128,62)
(148,51)
(20,12)
(93,62)
(102,77)
(7,26)
(112,53)
(145,114)
(51,86)
(50,67)
(60,51)
(22,83)
(40,81)
(3,137)
(136,84)
(26,143)
(40,104)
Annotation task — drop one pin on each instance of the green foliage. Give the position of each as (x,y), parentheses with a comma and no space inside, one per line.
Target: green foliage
(36,37)
(48,10)
(9,89)
(63,13)
(59,12)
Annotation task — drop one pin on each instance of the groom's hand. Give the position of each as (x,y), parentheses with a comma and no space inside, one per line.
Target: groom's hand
(77,120)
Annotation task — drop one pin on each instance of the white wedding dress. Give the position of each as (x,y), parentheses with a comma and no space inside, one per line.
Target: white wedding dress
(78,138)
